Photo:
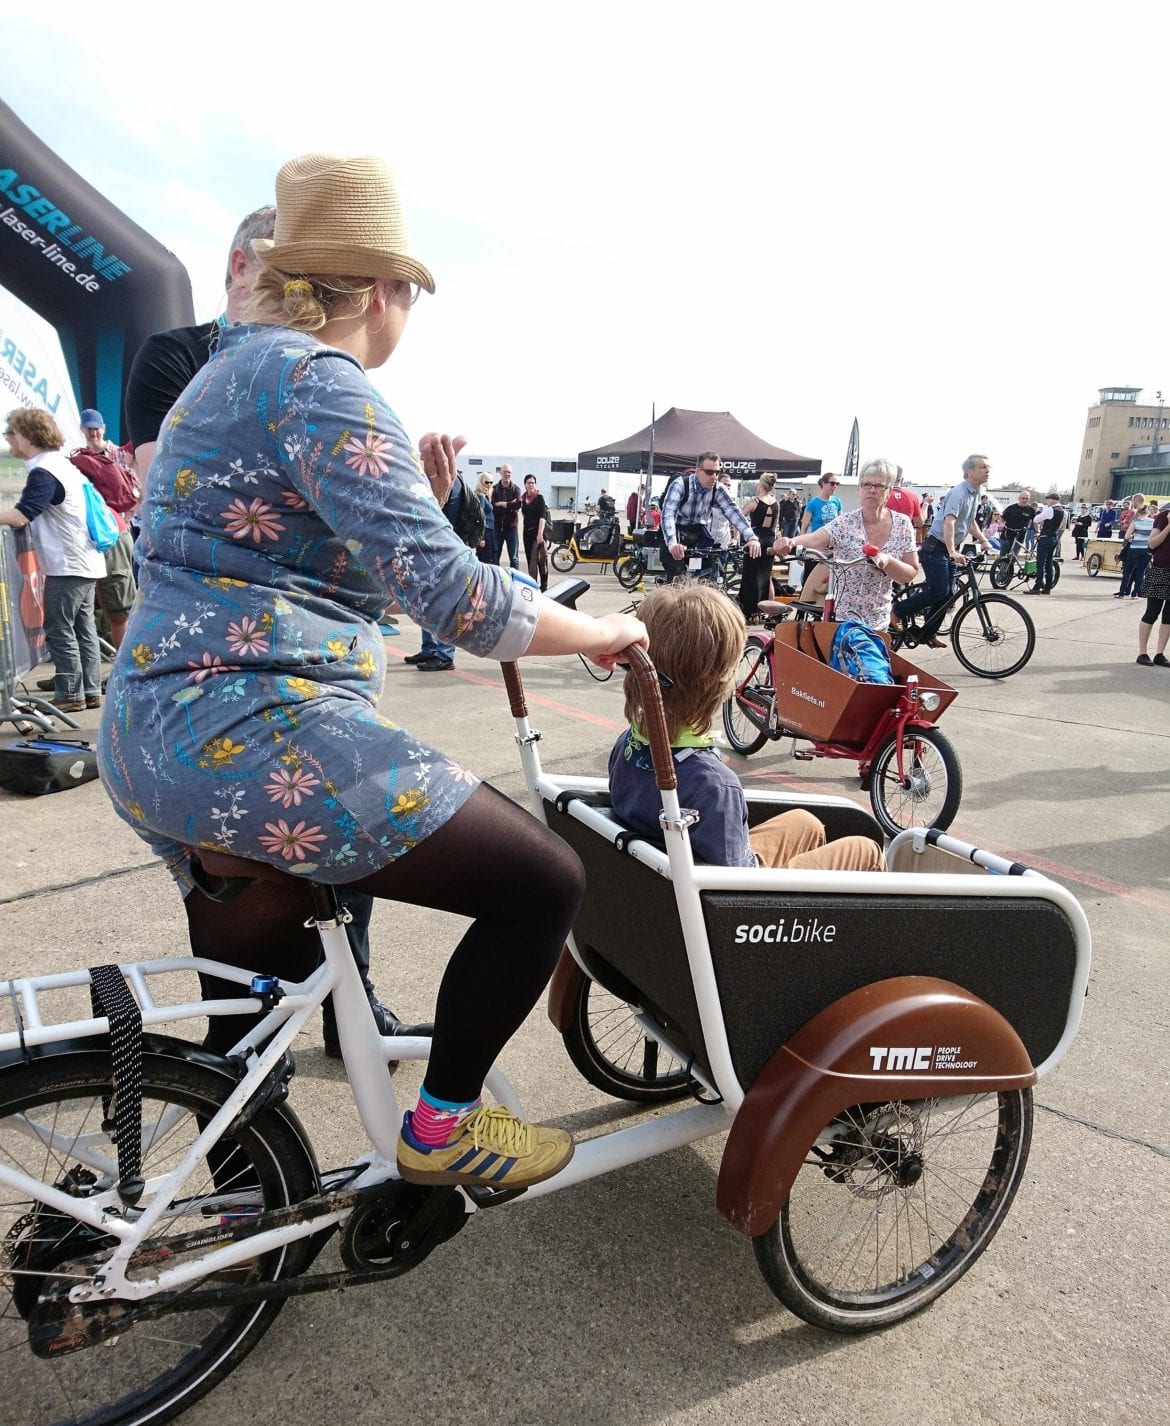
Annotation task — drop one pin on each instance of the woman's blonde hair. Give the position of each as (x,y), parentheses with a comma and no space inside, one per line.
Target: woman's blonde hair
(37,427)
(484,482)
(306,303)
(696,640)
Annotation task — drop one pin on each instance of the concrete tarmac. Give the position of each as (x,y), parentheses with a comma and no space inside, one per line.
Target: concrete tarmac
(629,1299)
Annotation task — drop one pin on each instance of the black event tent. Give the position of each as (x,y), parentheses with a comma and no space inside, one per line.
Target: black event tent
(679,436)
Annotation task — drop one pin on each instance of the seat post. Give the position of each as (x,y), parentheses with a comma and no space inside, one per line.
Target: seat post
(326,906)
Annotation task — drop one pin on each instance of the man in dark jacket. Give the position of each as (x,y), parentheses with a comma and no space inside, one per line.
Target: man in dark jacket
(506,508)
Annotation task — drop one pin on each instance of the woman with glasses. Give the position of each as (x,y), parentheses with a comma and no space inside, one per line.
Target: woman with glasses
(285,510)
(865,593)
(487,546)
(823,507)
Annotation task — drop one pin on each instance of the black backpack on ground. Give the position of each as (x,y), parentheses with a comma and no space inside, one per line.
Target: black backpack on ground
(37,765)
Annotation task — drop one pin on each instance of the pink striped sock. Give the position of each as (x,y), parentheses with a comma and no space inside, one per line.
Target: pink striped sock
(434,1127)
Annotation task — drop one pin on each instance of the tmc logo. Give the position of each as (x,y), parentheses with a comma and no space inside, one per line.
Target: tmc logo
(905,1057)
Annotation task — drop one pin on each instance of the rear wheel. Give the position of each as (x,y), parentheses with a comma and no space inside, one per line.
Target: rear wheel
(994,637)
(615,1054)
(893,1205)
(51,1128)
(563,558)
(630,570)
(750,701)
(930,789)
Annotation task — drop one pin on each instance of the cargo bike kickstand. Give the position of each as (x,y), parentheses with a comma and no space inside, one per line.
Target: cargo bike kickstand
(159,1203)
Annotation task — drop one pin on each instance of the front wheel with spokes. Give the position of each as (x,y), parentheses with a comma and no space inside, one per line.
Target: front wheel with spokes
(993,637)
(748,706)
(615,1054)
(1002,572)
(564,558)
(630,570)
(929,789)
(893,1205)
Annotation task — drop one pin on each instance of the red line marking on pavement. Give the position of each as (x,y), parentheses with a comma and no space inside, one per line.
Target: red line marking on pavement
(1060,870)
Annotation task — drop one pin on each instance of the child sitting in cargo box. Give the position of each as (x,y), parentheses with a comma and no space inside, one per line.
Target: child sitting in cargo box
(696,640)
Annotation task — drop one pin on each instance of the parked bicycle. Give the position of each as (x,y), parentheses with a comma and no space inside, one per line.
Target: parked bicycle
(159,1204)
(991,635)
(1018,567)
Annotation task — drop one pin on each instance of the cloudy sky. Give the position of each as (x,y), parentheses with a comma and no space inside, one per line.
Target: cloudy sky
(945,220)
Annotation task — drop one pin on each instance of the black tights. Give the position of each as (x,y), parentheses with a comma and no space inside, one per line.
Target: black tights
(492,861)
(1154,607)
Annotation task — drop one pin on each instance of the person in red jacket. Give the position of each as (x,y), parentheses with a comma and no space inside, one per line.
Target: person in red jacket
(109,471)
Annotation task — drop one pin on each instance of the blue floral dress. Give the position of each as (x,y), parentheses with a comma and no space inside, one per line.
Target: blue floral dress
(284,510)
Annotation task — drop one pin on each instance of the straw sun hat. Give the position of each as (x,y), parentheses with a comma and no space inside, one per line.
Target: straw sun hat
(340,217)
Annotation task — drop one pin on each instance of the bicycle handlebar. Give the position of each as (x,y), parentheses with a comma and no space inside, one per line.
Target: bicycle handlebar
(816,557)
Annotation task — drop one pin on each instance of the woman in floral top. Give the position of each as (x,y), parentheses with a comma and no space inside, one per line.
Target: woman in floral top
(284,512)
(865,593)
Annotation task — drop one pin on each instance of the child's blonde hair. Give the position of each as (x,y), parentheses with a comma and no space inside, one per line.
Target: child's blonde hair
(696,640)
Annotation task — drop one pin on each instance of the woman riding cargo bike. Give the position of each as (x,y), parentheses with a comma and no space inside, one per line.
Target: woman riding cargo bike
(275,535)
(832,685)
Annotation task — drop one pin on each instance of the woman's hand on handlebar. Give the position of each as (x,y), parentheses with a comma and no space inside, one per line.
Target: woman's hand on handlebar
(621,631)
(438,453)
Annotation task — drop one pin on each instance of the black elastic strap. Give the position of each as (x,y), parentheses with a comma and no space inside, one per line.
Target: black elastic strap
(110,996)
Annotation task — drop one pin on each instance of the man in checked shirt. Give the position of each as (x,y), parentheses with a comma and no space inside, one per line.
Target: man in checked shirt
(686,516)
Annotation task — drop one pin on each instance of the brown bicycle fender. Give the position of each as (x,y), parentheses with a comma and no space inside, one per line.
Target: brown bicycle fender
(911,1037)
(562,990)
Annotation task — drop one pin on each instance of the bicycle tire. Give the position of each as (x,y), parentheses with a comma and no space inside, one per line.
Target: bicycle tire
(1007,625)
(630,571)
(838,1263)
(934,787)
(1001,572)
(144,1374)
(614,1053)
(563,559)
(1093,564)
(753,672)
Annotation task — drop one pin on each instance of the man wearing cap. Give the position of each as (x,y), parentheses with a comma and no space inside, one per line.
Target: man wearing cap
(687,512)
(109,471)
(163,367)
(1048,525)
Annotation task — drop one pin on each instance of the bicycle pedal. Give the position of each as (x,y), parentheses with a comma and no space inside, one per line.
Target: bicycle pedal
(489,1197)
(803,755)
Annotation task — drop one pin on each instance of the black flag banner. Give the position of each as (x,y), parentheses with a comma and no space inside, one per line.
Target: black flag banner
(71,256)
(852,454)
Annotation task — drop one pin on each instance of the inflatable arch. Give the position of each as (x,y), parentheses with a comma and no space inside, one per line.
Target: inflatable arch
(97,278)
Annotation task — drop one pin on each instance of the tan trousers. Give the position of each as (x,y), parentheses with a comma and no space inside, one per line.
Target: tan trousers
(797,839)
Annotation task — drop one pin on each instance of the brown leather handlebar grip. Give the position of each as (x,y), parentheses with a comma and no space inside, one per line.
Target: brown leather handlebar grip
(648,685)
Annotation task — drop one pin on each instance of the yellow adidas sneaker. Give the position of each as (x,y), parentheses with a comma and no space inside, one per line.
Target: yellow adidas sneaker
(493,1149)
